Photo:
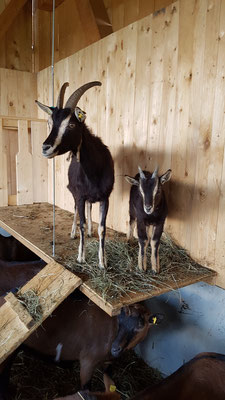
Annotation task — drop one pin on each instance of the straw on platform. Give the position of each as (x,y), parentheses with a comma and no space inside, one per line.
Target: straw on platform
(122,276)
(31,301)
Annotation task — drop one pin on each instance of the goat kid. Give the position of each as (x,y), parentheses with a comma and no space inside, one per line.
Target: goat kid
(203,377)
(91,171)
(148,206)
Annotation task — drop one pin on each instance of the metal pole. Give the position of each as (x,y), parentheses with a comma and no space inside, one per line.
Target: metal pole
(52,68)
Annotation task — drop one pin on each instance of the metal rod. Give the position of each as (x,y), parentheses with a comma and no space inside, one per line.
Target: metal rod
(52,67)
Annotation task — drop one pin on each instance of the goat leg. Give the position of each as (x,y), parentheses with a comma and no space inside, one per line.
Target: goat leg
(143,243)
(81,211)
(74,226)
(89,219)
(155,240)
(103,210)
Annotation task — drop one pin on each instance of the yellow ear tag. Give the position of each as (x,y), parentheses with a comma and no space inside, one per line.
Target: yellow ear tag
(154,319)
(112,388)
(80,115)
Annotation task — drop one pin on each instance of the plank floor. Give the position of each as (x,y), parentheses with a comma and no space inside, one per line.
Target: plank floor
(32,225)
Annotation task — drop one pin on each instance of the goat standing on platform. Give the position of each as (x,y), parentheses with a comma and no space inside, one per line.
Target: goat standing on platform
(148,205)
(91,172)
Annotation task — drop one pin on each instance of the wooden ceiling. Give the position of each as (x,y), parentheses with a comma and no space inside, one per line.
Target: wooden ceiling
(93,11)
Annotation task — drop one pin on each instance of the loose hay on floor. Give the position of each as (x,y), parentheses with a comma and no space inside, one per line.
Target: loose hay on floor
(122,276)
(35,379)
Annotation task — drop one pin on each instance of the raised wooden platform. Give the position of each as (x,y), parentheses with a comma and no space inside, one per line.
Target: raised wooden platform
(32,225)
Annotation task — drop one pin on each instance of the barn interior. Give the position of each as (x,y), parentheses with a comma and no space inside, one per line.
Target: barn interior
(162,68)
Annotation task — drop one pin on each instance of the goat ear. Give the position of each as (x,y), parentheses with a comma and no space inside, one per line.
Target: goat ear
(80,114)
(131,180)
(47,109)
(109,383)
(165,177)
(156,319)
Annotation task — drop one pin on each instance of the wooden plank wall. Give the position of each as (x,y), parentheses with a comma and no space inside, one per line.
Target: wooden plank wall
(15,45)
(21,164)
(162,101)
(73,34)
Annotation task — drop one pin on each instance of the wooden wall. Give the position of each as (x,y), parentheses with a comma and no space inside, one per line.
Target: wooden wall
(74,31)
(161,102)
(76,27)
(21,136)
(15,44)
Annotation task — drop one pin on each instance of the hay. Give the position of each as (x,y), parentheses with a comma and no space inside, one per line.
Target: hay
(31,301)
(122,276)
(33,378)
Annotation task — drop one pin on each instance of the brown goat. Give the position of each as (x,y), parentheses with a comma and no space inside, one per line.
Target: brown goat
(201,378)
(80,330)
(86,395)
(12,250)
(16,274)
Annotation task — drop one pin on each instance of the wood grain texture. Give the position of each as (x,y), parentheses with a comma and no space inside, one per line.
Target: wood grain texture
(24,171)
(3,168)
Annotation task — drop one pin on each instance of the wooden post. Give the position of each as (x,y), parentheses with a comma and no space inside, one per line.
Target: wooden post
(3,171)
(24,178)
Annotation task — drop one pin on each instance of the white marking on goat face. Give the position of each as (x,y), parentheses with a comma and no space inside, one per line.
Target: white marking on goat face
(149,209)
(58,352)
(51,151)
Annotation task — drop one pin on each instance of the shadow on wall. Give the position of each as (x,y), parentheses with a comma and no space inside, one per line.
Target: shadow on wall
(181,192)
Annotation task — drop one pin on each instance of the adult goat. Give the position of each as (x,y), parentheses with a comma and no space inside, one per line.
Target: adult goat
(91,171)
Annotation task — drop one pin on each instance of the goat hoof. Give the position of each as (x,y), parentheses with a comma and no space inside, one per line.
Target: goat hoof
(73,236)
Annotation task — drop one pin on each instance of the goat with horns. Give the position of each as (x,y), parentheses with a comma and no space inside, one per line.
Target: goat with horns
(91,171)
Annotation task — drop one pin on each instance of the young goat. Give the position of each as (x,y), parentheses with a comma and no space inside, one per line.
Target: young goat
(148,205)
(91,171)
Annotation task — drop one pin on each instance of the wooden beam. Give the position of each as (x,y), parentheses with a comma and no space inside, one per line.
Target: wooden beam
(46,5)
(88,21)
(9,14)
(101,17)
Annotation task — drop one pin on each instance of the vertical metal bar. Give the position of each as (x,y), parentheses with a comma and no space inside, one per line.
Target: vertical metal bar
(33,43)
(52,67)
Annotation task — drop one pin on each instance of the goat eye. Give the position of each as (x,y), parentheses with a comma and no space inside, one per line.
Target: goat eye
(71,126)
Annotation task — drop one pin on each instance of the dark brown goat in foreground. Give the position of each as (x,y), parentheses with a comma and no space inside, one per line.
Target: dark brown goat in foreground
(148,206)
(80,330)
(91,172)
(86,395)
(12,250)
(202,378)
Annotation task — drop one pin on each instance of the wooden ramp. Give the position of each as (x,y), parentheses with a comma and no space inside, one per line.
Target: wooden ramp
(32,225)
(52,285)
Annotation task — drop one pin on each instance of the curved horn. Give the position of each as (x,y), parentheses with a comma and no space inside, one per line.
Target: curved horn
(75,97)
(142,175)
(61,95)
(155,173)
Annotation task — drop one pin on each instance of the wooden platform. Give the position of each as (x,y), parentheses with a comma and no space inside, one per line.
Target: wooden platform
(32,225)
